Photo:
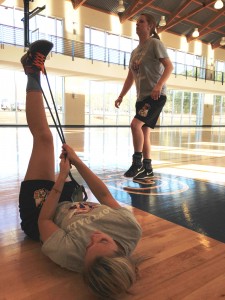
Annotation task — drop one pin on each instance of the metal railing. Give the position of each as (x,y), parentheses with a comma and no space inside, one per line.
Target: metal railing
(10,35)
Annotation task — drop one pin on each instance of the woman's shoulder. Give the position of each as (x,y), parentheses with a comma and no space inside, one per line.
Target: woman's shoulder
(155,41)
(127,213)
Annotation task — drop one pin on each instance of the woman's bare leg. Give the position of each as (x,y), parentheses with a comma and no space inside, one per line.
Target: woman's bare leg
(41,164)
(137,134)
(147,142)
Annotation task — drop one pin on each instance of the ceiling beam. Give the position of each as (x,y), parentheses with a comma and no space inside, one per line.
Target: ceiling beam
(77,3)
(216,45)
(202,30)
(134,9)
(203,5)
(173,16)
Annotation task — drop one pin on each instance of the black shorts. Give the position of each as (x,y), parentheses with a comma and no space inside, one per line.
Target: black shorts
(148,110)
(36,191)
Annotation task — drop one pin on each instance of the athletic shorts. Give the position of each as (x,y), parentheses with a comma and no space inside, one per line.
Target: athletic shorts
(32,195)
(148,110)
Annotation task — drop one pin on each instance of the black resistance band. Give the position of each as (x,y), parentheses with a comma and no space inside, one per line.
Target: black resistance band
(79,193)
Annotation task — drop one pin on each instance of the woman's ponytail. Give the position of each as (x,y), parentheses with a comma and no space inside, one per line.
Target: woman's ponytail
(155,35)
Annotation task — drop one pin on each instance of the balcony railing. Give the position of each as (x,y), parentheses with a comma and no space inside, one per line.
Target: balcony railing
(10,35)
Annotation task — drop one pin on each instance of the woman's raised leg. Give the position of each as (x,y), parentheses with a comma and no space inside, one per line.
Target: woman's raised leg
(41,165)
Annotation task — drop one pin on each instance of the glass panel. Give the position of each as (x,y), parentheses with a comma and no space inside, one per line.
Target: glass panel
(180,57)
(114,56)
(220,66)
(21,81)
(18,15)
(125,44)
(218,110)
(7,97)
(166,115)
(197,109)
(59,28)
(97,37)
(198,61)
(87,35)
(190,59)
(134,44)
(171,54)
(112,41)
(96,103)
(6,14)
(186,108)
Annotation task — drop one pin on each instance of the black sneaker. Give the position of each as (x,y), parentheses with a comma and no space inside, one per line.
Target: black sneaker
(144,174)
(133,170)
(33,61)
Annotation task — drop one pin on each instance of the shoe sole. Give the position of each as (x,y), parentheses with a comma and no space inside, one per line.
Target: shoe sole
(35,46)
(145,177)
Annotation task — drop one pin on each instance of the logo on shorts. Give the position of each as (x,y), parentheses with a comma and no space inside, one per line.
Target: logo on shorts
(40,196)
(144,110)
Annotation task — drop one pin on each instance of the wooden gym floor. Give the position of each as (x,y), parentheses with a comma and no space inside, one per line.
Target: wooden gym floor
(181,211)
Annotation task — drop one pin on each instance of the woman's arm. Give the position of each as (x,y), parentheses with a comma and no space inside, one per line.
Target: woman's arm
(45,224)
(96,185)
(168,68)
(127,85)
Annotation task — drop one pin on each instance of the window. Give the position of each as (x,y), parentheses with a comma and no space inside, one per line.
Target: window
(218,110)
(12,100)
(12,31)
(219,68)
(182,108)
(100,109)
(105,46)
(7,15)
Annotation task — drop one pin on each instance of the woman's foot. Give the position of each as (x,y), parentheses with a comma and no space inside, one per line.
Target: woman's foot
(33,61)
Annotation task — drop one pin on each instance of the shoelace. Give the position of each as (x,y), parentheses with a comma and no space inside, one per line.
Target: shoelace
(39,61)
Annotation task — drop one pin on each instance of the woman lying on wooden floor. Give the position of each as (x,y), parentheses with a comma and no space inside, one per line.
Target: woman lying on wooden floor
(95,239)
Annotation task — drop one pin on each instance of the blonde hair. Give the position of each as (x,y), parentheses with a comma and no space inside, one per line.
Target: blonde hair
(151,21)
(110,277)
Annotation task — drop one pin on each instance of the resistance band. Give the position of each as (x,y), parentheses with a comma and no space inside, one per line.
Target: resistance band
(79,193)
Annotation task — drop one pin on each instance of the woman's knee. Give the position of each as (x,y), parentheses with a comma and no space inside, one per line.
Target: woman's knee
(44,137)
(146,131)
(136,124)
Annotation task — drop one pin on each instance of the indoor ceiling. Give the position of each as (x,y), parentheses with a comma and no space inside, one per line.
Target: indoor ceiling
(182,16)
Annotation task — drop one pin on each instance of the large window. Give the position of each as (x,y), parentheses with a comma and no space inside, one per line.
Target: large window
(218,111)
(100,109)
(182,108)
(40,27)
(13,97)
(187,64)
(105,46)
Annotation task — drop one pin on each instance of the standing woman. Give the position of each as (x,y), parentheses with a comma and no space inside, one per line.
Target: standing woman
(150,68)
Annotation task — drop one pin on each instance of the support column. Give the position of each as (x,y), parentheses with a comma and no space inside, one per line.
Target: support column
(74,109)
(208,110)
(26,23)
